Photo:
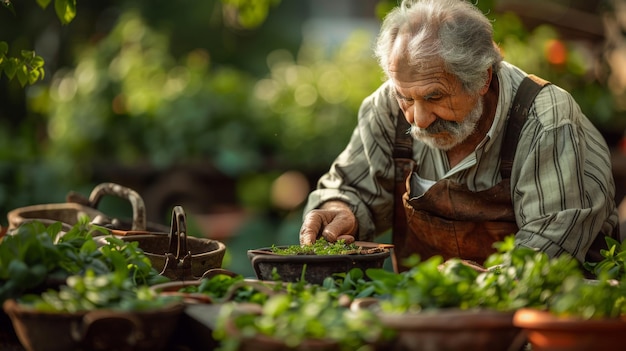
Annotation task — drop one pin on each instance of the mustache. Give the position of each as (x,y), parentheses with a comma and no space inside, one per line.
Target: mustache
(438,126)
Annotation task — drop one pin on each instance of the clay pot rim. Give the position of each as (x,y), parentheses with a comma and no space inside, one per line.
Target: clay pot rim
(179,284)
(15,308)
(530,318)
(139,235)
(449,319)
(271,257)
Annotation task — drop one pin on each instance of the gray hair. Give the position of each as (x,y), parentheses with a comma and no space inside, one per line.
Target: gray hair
(454,31)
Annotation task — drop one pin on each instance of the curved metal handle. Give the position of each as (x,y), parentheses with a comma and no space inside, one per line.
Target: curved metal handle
(178,233)
(139,208)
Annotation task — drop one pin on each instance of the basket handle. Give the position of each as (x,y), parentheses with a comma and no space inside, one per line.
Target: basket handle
(178,257)
(108,329)
(139,208)
(178,233)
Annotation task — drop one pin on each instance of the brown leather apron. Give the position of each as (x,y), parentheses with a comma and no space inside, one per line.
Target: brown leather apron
(450,220)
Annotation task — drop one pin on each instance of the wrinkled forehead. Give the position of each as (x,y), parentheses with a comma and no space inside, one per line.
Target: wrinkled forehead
(411,51)
(423,74)
(403,68)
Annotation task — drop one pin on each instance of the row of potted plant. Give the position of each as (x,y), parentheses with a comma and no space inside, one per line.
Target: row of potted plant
(67,290)
(434,305)
(524,298)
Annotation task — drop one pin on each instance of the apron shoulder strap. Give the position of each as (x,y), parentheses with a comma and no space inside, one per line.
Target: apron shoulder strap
(403,146)
(524,98)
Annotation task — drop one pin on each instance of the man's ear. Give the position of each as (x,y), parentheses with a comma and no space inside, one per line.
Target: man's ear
(485,88)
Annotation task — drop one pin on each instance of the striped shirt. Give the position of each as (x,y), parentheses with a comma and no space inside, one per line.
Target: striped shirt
(561,182)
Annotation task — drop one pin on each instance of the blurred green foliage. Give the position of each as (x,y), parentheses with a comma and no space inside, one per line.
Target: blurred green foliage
(532,50)
(129,87)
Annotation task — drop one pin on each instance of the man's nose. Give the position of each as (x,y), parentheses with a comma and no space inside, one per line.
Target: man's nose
(420,116)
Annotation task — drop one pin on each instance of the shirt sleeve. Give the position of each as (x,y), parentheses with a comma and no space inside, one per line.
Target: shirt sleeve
(363,173)
(563,189)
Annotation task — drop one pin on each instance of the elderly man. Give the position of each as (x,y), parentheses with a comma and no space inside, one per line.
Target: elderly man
(458,149)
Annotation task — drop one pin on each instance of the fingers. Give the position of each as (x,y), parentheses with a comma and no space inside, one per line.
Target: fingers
(333,230)
(332,225)
(342,226)
(310,229)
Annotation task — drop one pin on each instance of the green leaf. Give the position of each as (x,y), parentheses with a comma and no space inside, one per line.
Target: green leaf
(43,3)
(368,291)
(37,62)
(22,74)
(89,246)
(18,271)
(28,54)
(66,10)
(4,48)
(10,67)
(611,242)
(33,76)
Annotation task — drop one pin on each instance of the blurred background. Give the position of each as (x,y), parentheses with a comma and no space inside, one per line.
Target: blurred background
(233,108)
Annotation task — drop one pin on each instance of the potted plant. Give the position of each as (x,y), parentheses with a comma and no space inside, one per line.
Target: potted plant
(451,305)
(316,262)
(584,314)
(95,312)
(34,258)
(311,319)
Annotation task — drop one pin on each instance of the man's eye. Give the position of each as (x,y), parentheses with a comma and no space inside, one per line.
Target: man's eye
(433,97)
(403,98)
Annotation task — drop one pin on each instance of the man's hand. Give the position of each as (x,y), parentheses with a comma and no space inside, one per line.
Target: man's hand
(333,221)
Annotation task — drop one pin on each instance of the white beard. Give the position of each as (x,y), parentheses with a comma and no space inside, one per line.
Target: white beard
(457,131)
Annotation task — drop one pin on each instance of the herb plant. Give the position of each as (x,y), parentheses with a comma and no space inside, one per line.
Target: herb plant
(320,247)
(352,284)
(90,292)
(517,277)
(585,299)
(292,319)
(37,255)
(613,263)
(522,277)
(222,286)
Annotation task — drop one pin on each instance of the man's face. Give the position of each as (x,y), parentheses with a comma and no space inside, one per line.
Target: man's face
(442,114)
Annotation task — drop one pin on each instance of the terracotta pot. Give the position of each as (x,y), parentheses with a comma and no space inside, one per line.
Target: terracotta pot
(453,330)
(547,332)
(93,330)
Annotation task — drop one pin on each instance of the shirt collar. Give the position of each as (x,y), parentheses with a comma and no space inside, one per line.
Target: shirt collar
(505,98)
